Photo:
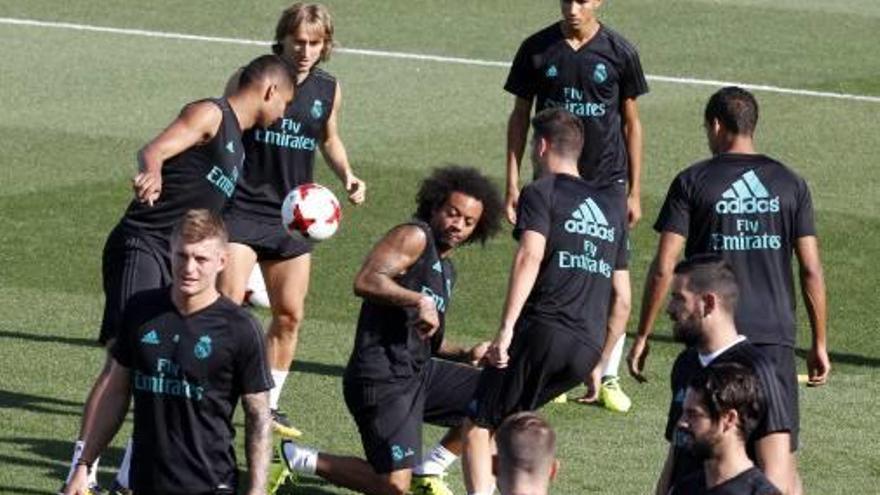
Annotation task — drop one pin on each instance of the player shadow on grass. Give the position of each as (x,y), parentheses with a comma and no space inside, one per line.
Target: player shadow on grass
(39,404)
(57,339)
(314,368)
(309,486)
(52,457)
(836,357)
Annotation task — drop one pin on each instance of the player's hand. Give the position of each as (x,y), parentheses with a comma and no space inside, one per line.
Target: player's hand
(79,483)
(497,355)
(426,321)
(356,188)
(147,187)
(633,210)
(637,356)
(593,382)
(510,206)
(477,354)
(818,366)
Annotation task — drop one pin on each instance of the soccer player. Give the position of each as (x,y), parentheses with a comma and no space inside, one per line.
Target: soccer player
(186,354)
(391,383)
(526,461)
(754,211)
(590,70)
(564,311)
(194,163)
(278,157)
(704,297)
(722,407)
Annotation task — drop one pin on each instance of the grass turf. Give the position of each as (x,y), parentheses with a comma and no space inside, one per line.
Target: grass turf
(77,105)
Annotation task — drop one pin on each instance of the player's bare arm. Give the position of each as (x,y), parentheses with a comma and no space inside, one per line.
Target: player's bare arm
(774,457)
(337,158)
(621,301)
(390,258)
(456,352)
(524,272)
(197,123)
(258,439)
(813,289)
(517,133)
(632,133)
(103,421)
(656,286)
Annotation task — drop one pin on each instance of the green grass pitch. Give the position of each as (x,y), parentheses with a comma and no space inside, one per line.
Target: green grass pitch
(76,105)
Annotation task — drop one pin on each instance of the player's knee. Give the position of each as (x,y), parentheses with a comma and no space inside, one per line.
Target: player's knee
(396,486)
(288,321)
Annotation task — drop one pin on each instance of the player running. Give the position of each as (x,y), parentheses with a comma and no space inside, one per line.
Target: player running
(566,304)
(585,67)
(391,383)
(278,158)
(186,354)
(194,163)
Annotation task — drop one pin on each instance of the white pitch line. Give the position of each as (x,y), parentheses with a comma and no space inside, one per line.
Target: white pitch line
(422,57)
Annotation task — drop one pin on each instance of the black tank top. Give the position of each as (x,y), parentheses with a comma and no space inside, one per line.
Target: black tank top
(386,349)
(282,156)
(203,176)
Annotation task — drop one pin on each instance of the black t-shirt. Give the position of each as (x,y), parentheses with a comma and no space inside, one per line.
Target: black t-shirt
(749,482)
(586,242)
(592,83)
(282,156)
(386,348)
(203,176)
(187,375)
(776,418)
(751,209)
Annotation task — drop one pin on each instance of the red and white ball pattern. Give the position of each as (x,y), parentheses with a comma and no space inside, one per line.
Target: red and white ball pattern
(311,211)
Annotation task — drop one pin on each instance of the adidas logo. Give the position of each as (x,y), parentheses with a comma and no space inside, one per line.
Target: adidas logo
(151,337)
(588,219)
(747,195)
(438,267)
(552,71)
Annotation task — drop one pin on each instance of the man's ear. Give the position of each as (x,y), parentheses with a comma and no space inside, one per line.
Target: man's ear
(710,303)
(554,469)
(270,88)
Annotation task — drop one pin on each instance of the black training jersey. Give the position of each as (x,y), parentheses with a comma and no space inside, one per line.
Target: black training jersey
(187,375)
(203,176)
(749,482)
(592,83)
(586,242)
(282,156)
(750,209)
(775,416)
(386,348)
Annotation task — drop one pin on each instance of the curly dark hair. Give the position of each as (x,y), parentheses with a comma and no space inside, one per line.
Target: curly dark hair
(437,188)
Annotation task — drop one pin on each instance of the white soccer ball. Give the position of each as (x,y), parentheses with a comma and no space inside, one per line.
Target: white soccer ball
(311,211)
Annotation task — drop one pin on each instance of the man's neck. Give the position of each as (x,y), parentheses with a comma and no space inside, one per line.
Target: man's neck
(718,337)
(558,165)
(726,465)
(241,108)
(578,37)
(744,145)
(188,305)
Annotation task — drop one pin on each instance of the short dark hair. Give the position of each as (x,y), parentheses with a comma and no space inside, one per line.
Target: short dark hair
(730,386)
(735,108)
(442,182)
(526,442)
(267,66)
(561,129)
(710,273)
(198,225)
(305,13)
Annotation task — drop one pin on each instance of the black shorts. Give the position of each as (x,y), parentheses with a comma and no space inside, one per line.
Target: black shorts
(266,237)
(782,357)
(544,363)
(390,416)
(132,262)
